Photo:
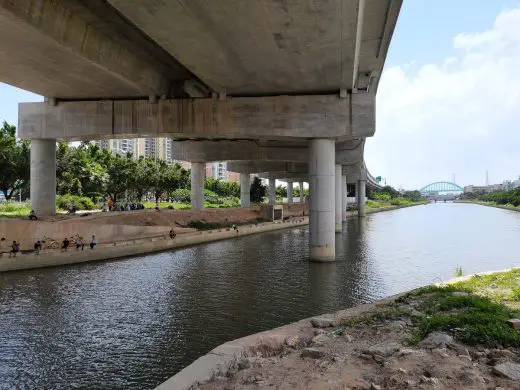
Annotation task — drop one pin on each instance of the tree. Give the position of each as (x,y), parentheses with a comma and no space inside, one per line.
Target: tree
(281,191)
(413,195)
(14,161)
(258,191)
(121,172)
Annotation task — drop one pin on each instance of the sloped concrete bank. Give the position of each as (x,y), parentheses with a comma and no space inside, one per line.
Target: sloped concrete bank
(50,258)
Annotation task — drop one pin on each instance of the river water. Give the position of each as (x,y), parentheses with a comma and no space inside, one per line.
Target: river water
(131,324)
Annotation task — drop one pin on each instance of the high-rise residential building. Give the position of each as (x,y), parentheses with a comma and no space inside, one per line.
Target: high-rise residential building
(160,148)
(218,171)
(120,146)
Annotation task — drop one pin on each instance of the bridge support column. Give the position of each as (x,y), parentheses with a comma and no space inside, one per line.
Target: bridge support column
(338,199)
(361,194)
(245,189)
(197,185)
(301,192)
(272,191)
(289,192)
(322,200)
(43,176)
(344,198)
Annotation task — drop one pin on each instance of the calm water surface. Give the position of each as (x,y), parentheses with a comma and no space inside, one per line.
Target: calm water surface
(133,323)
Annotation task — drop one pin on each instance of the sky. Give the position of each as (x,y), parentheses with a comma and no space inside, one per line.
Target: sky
(448,103)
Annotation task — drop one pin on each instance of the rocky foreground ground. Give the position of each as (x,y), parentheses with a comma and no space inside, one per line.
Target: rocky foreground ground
(454,337)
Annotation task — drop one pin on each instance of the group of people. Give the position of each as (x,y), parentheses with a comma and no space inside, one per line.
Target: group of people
(80,243)
(15,247)
(111,206)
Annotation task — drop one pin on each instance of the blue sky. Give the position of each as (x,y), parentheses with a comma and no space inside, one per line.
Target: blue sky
(448,101)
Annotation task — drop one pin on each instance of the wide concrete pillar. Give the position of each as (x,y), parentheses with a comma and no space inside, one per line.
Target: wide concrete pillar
(361,194)
(289,192)
(197,185)
(245,188)
(337,198)
(322,200)
(272,191)
(43,176)
(344,198)
(301,192)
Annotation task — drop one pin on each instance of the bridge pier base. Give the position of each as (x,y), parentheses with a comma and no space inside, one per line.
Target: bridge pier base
(272,191)
(197,185)
(43,176)
(361,195)
(344,198)
(245,188)
(289,192)
(338,198)
(322,245)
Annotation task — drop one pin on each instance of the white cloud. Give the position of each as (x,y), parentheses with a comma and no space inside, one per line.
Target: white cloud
(461,115)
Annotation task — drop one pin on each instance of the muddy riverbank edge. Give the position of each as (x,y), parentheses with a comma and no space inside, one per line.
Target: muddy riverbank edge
(275,343)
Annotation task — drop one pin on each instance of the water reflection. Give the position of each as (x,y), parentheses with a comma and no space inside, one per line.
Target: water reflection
(133,323)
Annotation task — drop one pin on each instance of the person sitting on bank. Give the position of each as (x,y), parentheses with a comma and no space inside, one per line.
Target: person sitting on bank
(65,244)
(15,248)
(172,234)
(37,247)
(80,244)
(32,216)
(93,242)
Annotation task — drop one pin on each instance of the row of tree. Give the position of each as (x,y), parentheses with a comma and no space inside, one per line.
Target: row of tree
(499,197)
(89,171)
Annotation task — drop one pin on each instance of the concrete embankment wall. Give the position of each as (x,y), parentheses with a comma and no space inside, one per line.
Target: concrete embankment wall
(28,232)
(49,258)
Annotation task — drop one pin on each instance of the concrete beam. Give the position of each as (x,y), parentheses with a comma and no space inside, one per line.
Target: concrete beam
(277,117)
(355,172)
(285,176)
(70,49)
(230,150)
(266,166)
(225,150)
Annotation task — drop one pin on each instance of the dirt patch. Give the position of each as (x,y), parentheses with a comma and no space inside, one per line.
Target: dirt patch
(166,217)
(375,351)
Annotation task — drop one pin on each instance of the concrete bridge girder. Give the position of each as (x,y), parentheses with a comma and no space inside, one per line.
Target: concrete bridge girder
(275,117)
(223,150)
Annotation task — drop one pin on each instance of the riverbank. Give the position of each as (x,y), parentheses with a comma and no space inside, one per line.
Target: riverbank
(142,238)
(121,249)
(454,335)
(488,204)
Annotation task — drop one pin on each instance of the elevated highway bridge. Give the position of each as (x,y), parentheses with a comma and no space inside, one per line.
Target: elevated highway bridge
(229,80)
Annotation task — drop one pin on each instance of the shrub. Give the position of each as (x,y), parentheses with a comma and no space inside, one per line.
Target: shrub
(81,202)
(182,195)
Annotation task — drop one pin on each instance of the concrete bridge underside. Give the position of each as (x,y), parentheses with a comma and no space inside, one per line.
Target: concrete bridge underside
(264,80)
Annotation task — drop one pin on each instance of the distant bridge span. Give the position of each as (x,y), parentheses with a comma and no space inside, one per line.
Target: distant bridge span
(441,186)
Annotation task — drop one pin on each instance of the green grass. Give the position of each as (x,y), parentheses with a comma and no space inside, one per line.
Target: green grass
(476,317)
(186,206)
(14,209)
(376,204)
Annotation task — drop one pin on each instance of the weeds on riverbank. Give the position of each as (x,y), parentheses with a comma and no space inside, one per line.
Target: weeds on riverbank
(475,311)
